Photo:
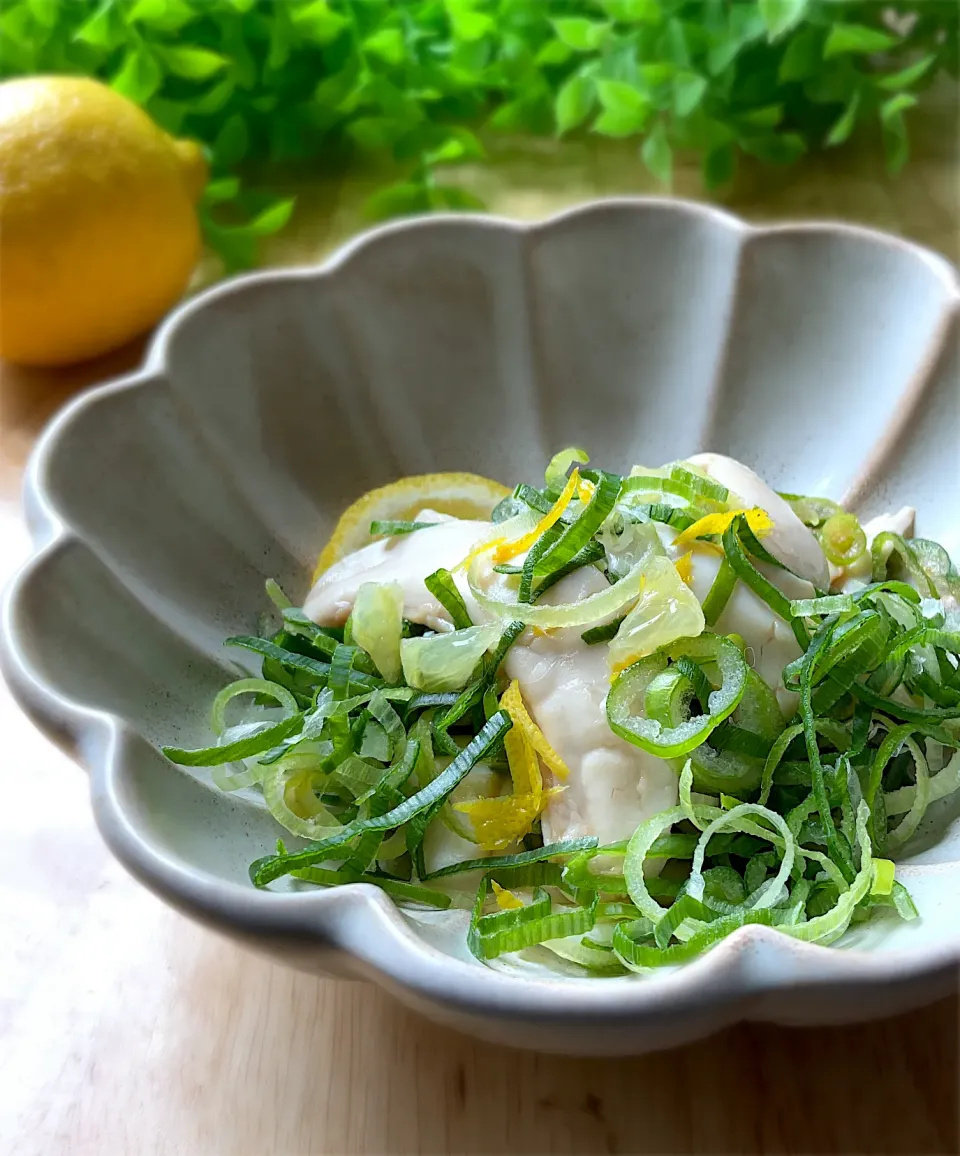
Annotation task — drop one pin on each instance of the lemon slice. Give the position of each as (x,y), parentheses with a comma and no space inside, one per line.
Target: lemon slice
(460,495)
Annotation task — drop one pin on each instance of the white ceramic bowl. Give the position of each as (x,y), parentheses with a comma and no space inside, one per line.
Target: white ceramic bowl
(825,356)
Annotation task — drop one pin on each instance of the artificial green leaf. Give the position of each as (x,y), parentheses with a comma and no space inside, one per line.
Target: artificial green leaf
(375,132)
(282,35)
(468,24)
(844,126)
(221,190)
(164,15)
(574,103)
(169,114)
(139,77)
(271,220)
(675,43)
(580,34)
(688,91)
(231,143)
(397,201)
(776,149)
(897,105)
(454,199)
(632,11)
(191,63)
(780,16)
(895,143)
(210,102)
(319,23)
(662,72)
(768,117)
(44,12)
(719,166)
(104,29)
(857,38)
(620,124)
(623,99)
(657,154)
(906,77)
(387,44)
(460,145)
(554,52)
(802,57)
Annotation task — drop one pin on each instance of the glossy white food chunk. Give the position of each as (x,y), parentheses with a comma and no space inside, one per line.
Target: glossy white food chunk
(789,540)
(613,786)
(407,559)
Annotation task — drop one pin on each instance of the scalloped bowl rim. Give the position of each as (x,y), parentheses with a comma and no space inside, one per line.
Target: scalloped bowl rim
(360,920)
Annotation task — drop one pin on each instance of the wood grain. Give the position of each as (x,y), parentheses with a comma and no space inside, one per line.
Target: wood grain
(125,1029)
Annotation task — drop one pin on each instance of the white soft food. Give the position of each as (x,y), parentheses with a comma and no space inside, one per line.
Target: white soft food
(789,540)
(404,558)
(613,786)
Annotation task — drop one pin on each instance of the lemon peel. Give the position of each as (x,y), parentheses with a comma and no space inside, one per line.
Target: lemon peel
(461,495)
(758,520)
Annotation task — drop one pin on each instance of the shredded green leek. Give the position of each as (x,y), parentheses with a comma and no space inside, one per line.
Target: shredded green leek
(358,738)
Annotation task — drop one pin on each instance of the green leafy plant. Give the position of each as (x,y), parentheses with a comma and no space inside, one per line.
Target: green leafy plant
(423,81)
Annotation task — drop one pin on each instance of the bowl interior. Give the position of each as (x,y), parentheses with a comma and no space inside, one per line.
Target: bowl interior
(825,358)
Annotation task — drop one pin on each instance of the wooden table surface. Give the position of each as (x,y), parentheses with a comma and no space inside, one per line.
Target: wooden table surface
(126,1029)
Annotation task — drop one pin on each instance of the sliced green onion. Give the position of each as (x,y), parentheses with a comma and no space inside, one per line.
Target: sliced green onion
(495,863)
(625,702)
(377,619)
(598,634)
(641,956)
(883,872)
(248,686)
(442,586)
(517,928)
(578,534)
(392,527)
(719,593)
(700,484)
(838,853)
(597,606)
(828,604)
(330,877)
(842,539)
(812,511)
(320,671)
(761,586)
(772,891)
(276,595)
(888,545)
(591,553)
(555,476)
(272,867)
(243,748)
(300,774)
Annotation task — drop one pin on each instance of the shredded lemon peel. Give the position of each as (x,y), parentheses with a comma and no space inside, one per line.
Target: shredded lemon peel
(684,567)
(758,520)
(507,550)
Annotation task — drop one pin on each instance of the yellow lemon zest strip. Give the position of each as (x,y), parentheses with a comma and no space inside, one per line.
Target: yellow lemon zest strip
(684,567)
(585,491)
(475,553)
(758,520)
(506,900)
(510,550)
(512,703)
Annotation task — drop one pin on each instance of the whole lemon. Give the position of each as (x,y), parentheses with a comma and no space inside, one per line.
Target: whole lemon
(98,226)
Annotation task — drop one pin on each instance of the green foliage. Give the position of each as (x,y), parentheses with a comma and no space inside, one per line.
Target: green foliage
(330,80)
